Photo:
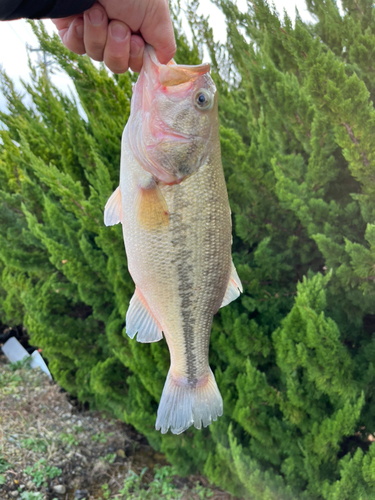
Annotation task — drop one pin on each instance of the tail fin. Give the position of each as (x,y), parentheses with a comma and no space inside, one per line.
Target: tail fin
(182,405)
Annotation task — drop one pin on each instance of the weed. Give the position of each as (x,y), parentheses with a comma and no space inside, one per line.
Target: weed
(40,472)
(34,444)
(18,365)
(110,458)
(4,465)
(78,428)
(133,485)
(69,439)
(99,438)
(161,487)
(30,495)
(202,492)
(106,491)
(2,479)
(9,381)
(162,483)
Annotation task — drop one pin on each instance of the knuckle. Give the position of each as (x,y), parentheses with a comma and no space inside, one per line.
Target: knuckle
(95,50)
(116,65)
(74,45)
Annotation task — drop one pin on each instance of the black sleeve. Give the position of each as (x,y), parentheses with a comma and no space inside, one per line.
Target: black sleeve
(38,9)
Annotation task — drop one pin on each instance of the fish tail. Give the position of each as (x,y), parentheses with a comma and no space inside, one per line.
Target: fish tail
(184,403)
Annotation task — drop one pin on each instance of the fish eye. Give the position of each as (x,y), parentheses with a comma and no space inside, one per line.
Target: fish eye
(203,100)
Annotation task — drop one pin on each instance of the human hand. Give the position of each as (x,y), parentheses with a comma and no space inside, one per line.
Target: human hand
(108,32)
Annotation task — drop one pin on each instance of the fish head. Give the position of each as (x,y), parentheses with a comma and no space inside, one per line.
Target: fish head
(174,116)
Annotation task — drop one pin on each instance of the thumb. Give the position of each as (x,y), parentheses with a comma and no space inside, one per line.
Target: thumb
(157,30)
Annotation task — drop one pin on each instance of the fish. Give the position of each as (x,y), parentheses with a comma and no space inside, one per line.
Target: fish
(173,205)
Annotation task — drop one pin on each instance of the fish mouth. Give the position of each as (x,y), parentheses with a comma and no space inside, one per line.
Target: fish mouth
(169,135)
(172,74)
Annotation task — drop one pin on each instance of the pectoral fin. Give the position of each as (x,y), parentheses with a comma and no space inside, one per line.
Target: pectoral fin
(112,210)
(234,288)
(139,319)
(152,209)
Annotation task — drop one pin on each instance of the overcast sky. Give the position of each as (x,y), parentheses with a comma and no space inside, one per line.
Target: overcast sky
(15,35)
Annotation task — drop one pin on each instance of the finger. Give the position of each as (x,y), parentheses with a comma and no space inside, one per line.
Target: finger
(71,33)
(63,22)
(137,47)
(95,33)
(157,30)
(116,52)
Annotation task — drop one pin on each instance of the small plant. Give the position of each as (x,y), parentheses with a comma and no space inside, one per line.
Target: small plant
(19,365)
(161,486)
(40,472)
(78,429)
(110,458)
(202,492)
(4,464)
(34,444)
(133,485)
(69,439)
(99,438)
(31,495)
(2,479)
(8,381)
(106,491)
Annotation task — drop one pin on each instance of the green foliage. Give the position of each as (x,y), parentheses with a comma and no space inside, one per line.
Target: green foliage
(35,444)
(40,472)
(160,487)
(110,458)
(9,381)
(31,495)
(19,365)
(294,355)
(4,464)
(69,439)
(99,438)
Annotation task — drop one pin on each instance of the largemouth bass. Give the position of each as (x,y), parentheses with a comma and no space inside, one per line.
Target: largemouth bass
(173,205)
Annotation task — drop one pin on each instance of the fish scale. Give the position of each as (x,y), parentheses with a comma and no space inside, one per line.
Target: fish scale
(177,235)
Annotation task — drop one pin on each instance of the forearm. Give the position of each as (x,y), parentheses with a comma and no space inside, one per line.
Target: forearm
(38,9)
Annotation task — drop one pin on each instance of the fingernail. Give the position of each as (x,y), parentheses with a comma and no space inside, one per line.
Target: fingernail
(79,30)
(96,17)
(118,32)
(135,49)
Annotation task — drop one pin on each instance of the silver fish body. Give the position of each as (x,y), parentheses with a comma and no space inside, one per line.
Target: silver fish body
(177,238)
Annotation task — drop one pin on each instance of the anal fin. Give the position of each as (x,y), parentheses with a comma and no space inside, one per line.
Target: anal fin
(112,210)
(139,319)
(234,288)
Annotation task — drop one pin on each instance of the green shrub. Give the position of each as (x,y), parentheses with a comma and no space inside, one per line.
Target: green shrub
(293,356)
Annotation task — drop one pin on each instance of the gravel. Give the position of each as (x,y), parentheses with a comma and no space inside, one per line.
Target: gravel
(50,448)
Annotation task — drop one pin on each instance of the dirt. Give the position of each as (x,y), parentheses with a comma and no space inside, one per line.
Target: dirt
(51,448)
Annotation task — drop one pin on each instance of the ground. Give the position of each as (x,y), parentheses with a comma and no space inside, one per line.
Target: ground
(50,448)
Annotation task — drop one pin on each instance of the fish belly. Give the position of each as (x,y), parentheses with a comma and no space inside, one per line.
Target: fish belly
(182,270)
